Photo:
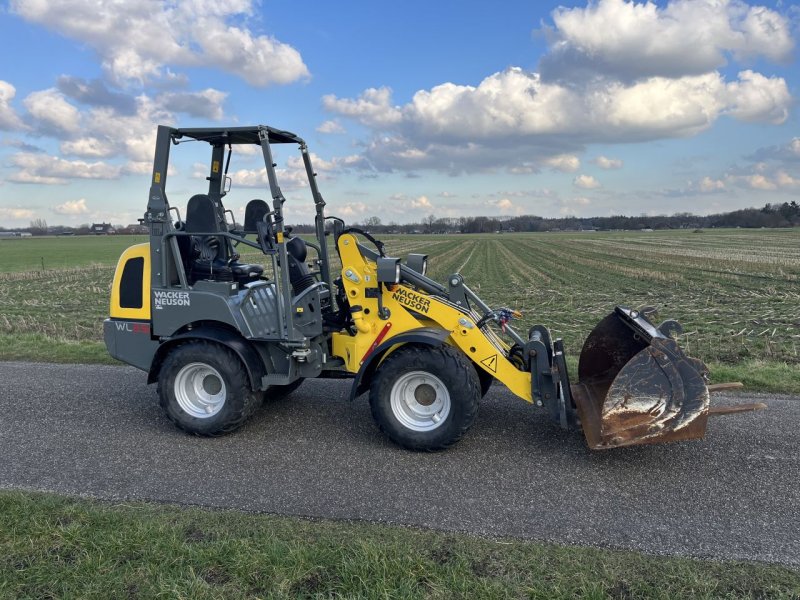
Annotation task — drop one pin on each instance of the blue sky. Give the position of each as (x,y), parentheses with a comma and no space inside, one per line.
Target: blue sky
(411,109)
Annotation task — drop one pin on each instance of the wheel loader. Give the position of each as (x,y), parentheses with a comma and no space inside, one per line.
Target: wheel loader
(218,335)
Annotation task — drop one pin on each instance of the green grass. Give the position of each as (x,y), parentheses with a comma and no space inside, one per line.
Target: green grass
(68,252)
(736,292)
(52,547)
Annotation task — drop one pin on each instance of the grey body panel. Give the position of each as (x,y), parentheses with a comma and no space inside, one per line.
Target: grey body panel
(130,342)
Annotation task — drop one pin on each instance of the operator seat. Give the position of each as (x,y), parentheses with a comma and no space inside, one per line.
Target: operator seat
(204,259)
(300,276)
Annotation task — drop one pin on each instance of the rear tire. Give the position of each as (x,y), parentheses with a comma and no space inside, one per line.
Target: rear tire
(204,389)
(424,397)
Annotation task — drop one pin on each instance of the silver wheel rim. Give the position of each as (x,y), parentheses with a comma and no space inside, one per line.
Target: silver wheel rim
(420,401)
(200,390)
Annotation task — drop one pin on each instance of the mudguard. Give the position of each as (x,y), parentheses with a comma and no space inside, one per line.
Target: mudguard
(252,361)
(430,336)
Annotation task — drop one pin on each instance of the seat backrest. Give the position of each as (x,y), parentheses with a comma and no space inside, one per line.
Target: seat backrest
(253,213)
(201,216)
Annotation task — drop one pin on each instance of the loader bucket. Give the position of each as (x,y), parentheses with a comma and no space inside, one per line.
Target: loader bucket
(636,385)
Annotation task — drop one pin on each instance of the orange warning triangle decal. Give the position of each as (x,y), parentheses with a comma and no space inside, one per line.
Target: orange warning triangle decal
(490,363)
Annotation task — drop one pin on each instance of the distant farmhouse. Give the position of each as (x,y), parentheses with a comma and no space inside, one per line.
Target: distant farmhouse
(102,229)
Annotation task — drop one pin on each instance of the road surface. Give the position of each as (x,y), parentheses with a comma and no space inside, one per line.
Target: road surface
(98,431)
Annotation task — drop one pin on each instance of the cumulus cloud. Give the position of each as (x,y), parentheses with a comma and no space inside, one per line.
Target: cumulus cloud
(451,125)
(136,40)
(629,73)
(51,111)
(566,163)
(373,107)
(331,126)
(586,182)
(628,40)
(88,147)
(72,207)
(707,185)
(505,206)
(756,181)
(19,214)
(421,202)
(757,98)
(9,120)
(608,163)
(44,169)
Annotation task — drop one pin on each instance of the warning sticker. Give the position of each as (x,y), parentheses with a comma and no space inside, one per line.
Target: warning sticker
(490,362)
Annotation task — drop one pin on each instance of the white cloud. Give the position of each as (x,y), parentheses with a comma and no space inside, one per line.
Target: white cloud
(421,203)
(629,40)
(454,127)
(759,99)
(44,169)
(707,184)
(586,182)
(757,181)
(51,110)
(137,40)
(72,207)
(506,206)
(373,107)
(331,126)
(16,213)
(259,60)
(566,163)
(608,163)
(784,180)
(88,147)
(9,120)
(351,209)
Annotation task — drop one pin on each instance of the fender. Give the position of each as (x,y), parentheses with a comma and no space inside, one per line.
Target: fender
(430,336)
(249,356)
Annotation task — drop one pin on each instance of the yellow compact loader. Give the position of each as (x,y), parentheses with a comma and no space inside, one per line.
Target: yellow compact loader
(217,335)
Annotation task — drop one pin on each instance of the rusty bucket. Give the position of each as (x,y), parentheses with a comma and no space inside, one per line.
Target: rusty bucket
(636,385)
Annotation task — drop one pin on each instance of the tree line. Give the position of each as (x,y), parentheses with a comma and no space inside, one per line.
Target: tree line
(769,215)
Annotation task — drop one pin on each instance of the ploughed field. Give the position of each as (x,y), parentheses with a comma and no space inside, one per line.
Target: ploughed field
(736,292)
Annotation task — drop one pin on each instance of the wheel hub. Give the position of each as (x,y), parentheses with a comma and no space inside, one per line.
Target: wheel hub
(200,390)
(420,401)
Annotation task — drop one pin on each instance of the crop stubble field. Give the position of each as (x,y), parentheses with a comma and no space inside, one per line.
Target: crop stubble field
(736,292)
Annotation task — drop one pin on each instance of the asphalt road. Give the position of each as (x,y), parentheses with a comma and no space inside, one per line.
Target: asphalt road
(98,431)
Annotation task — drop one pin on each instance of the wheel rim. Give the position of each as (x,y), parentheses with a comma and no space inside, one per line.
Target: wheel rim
(200,390)
(420,401)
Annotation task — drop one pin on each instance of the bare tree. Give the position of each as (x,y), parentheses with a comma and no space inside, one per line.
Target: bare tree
(38,227)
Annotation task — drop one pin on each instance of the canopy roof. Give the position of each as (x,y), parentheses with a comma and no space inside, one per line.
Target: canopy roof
(236,135)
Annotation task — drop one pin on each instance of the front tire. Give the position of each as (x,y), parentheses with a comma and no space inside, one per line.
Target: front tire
(204,389)
(424,397)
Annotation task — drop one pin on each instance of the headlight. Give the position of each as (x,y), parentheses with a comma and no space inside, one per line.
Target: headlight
(389,270)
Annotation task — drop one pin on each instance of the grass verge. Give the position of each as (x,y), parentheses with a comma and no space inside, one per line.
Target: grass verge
(54,547)
(37,347)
